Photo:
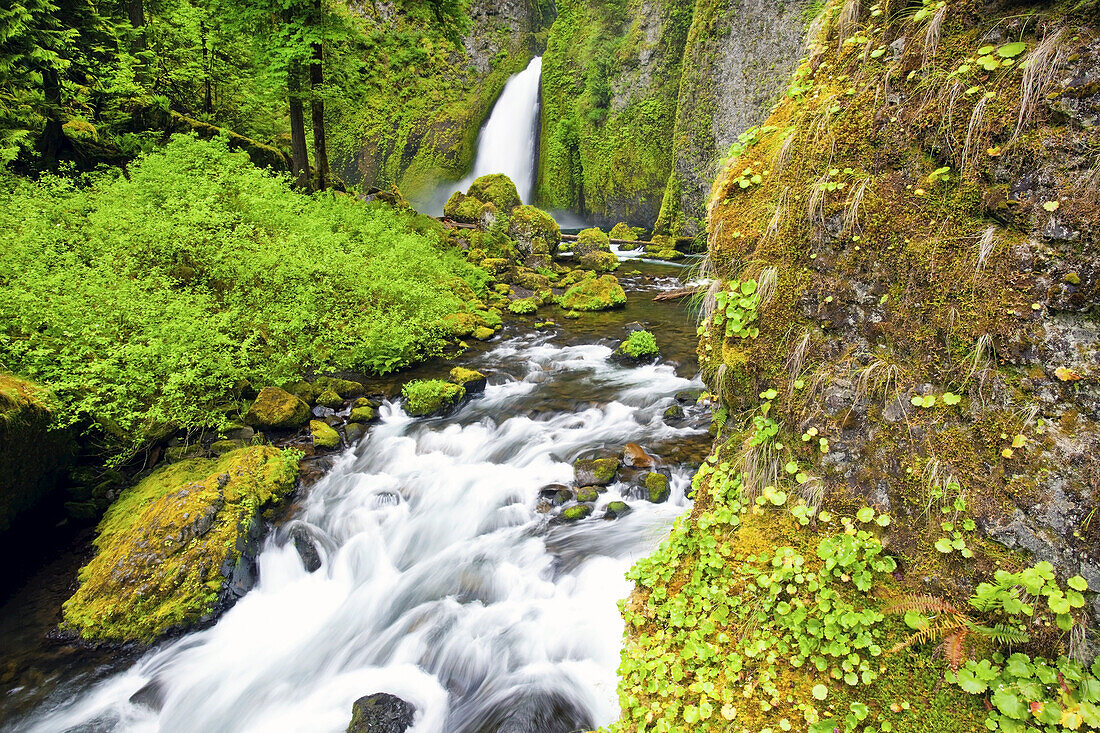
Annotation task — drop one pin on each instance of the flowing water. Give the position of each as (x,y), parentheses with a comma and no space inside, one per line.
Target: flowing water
(444,579)
(507,141)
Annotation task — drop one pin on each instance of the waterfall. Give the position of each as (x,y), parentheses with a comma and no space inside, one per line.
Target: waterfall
(506,143)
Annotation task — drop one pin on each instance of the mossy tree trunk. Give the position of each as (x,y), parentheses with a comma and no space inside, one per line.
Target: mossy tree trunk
(317,107)
(299,156)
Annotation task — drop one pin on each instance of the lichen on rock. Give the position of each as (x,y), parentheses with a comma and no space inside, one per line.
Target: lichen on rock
(169,547)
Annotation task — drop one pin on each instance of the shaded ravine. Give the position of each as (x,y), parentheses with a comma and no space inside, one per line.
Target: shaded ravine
(443,581)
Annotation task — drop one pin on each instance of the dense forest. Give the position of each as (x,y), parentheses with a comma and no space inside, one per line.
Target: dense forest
(771,403)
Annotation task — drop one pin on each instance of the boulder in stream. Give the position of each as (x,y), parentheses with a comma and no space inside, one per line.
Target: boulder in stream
(634,456)
(595,471)
(381,713)
(186,530)
(616,509)
(277,408)
(471,380)
(656,486)
(425,397)
(576,512)
(594,294)
(324,436)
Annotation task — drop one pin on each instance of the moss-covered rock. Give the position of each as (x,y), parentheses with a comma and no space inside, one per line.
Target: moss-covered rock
(329,398)
(277,408)
(599,261)
(471,380)
(616,509)
(496,189)
(424,397)
(344,387)
(483,333)
(576,512)
(673,413)
(523,306)
(33,457)
(468,210)
(303,390)
(363,411)
(168,547)
(535,231)
(639,346)
(595,471)
(656,486)
(624,231)
(588,493)
(594,294)
(591,240)
(323,435)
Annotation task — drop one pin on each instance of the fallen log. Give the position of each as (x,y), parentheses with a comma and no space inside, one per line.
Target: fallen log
(679,294)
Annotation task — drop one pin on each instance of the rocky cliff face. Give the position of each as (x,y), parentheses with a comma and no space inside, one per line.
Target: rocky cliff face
(418,127)
(737,59)
(897,526)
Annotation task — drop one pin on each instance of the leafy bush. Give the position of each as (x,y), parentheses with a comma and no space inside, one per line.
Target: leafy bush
(144,301)
(639,344)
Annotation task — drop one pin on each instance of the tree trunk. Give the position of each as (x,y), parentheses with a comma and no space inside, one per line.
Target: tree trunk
(50,143)
(299,156)
(317,109)
(208,102)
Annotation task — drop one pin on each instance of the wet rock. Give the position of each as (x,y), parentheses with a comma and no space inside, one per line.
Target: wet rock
(362,413)
(591,240)
(330,398)
(354,432)
(381,713)
(689,396)
(538,711)
(277,408)
(556,494)
(657,488)
(576,512)
(595,471)
(634,456)
(151,695)
(473,381)
(588,493)
(323,435)
(345,388)
(675,413)
(616,509)
(307,548)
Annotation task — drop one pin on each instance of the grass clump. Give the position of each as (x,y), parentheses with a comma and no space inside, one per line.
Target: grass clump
(164,546)
(425,397)
(141,301)
(639,344)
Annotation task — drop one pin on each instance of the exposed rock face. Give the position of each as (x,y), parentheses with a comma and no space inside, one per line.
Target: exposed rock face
(33,459)
(187,529)
(381,713)
(737,61)
(420,128)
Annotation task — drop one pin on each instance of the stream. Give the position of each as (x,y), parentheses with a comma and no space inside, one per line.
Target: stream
(444,580)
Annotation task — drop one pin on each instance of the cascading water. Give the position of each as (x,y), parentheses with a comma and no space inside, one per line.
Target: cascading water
(441,582)
(506,143)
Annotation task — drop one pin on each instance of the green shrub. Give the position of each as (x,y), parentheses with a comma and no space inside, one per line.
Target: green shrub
(430,396)
(141,301)
(523,306)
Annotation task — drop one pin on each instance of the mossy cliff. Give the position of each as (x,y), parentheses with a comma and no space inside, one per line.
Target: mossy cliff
(610,77)
(737,58)
(897,530)
(33,458)
(417,125)
(174,549)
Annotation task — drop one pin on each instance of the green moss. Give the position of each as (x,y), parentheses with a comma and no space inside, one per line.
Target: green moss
(496,189)
(624,231)
(656,486)
(535,231)
(591,240)
(588,493)
(523,306)
(460,324)
(323,435)
(362,414)
(577,512)
(277,408)
(346,388)
(483,333)
(470,379)
(594,294)
(599,262)
(329,398)
(467,209)
(162,546)
(423,397)
(639,344)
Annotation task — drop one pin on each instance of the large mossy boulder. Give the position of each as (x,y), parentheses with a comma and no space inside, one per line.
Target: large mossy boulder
(277,408)
(33,457)
(424,397)
(535,231)
(467,209)
(591,240)
(496,189)
(595,471)
(599,262)
(594,294)
(171,549)
(471,380)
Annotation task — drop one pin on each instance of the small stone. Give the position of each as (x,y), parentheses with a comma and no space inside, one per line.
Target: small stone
(616,509)
(674,413)
(689,396)
(361,414)
(595,472)
(381,713)
(588,493)
(635,456)
(577,512)
(657,489)
(323,435)
(473,381)
(330,398)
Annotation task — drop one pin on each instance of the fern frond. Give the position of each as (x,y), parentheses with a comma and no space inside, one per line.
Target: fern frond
(921,603)
(1001,634)
(954,649)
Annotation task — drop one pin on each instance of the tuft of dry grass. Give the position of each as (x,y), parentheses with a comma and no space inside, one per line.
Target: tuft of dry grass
(1040,69)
